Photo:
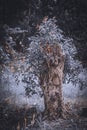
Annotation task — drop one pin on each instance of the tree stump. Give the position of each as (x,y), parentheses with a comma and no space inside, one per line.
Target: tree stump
(51,80)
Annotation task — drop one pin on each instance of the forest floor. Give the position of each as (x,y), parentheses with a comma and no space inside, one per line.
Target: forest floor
(27,119)
(68,124)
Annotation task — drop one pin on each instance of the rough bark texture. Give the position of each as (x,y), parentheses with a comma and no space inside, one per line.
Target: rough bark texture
(51,80)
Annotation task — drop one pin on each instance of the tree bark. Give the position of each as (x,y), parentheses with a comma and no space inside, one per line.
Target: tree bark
(51,80)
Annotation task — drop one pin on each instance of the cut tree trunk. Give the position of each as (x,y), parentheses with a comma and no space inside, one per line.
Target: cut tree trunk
(51,80)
